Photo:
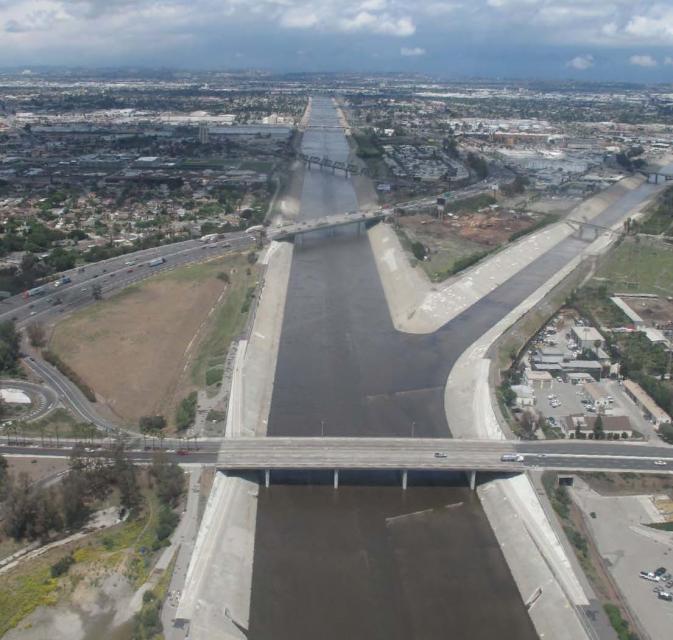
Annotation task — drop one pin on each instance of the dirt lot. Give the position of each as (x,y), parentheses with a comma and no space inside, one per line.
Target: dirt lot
(37,468)
(657,312)
(460,235)
(624,484)
(136,349)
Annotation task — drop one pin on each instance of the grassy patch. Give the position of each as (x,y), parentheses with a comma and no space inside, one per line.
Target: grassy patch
(662,526)
(227,322)
(638,265)
(213,376)
(468,205)
(23,592)
(618,623)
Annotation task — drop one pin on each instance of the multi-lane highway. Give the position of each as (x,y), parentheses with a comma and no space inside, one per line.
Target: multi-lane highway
(114,274)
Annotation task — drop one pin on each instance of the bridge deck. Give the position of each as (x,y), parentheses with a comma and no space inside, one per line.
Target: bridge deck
(364,453)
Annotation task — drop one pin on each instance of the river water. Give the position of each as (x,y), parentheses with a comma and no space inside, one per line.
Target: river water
(372,561)
(367,561)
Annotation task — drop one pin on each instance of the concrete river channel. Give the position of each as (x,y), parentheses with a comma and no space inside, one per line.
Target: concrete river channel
(369,560)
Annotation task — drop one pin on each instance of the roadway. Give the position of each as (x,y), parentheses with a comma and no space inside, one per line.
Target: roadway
(437,454)
(113,274)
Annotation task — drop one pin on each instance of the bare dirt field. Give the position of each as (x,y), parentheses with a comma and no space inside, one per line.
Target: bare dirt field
(37,468)
(655,311)
(460,235)
(138,348)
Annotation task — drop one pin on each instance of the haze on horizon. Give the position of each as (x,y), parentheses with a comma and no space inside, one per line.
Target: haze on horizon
(615,40)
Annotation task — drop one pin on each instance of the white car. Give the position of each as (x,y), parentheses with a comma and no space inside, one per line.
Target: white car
(660,463)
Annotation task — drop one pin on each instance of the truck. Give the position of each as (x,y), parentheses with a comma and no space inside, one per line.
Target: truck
(156,262)
(210,237)
(63,280)
(35,292)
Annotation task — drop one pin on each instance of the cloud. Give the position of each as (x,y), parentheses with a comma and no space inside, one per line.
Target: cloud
(581,63)
(298,19)
(643,61)
(378,23)
(411,52)
(668,60)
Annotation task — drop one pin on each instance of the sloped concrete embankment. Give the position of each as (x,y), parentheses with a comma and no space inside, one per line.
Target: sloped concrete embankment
(420,306)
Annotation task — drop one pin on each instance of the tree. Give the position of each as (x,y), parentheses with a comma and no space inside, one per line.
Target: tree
(169,478)
(36,334)
(4,476)
(97,292)
(599,432)
(74,490)
(152,424)
(9,346)
(124,474)
(418,250)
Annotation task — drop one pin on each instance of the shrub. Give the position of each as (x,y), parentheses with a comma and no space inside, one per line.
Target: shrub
(186,412)
(213,376)
(62,566)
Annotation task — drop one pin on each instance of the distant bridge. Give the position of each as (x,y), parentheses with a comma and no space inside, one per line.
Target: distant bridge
(406,455)
(580,225)
(657,176)
(334,165)
(292,230)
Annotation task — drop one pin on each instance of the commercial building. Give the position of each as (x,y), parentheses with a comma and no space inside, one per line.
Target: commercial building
(587,337)
(646,404)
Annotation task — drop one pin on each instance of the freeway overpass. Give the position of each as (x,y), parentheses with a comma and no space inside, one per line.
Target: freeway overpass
(436,454)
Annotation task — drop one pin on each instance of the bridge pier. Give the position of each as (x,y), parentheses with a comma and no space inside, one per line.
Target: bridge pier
(267,477)
(336,478)
(405,474)
(472,477)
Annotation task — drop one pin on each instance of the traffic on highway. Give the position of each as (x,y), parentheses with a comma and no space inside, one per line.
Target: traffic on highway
(74,288)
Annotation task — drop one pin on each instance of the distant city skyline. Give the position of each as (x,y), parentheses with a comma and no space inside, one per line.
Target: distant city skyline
(613,40)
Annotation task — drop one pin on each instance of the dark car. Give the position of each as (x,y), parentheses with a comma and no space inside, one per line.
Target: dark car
(660,571)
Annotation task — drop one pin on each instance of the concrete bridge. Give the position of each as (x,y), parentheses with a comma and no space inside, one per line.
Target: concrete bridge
(656,177)
(334,165)
(360,218)
(595,229)
(405,455)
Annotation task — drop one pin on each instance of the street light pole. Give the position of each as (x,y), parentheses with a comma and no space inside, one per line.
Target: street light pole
(322,428)
(413,428)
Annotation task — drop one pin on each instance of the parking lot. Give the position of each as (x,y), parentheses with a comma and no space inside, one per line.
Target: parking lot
(629,547)
(568,395)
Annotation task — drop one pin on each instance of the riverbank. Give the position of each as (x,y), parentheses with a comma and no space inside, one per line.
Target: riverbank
(419,306)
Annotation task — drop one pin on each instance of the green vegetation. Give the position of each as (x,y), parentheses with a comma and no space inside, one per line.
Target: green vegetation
(58,423)
(213,376)
(186,412)
(9,348)
(659,219)
(471,204)
(662,526)
(666,433)
(69,373)
(216,416)
(618,623)
(638,265)
(22,592)
(478,165)
(152,425)
(62,566)
(147,622)
(247,301)
(367,144)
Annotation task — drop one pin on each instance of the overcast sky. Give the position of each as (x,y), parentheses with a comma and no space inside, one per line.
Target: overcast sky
(585,39)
